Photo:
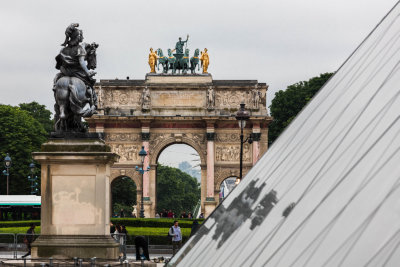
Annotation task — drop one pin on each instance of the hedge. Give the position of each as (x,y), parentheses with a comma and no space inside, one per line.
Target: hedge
(133,222)
(151,222)
(4,224)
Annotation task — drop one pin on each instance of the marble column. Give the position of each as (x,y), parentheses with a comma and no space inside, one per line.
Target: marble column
(256,134)
(210,165)
(147,204)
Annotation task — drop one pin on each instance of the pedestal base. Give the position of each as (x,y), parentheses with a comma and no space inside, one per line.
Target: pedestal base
(81,246)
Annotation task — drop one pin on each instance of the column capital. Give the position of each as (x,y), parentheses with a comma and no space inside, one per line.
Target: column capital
(145,136)
(210,136)
(256,136)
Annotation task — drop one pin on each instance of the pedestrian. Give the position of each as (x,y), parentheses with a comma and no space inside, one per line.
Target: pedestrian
(190,216)
(157,216)
(195,227)
(201,216)
(29,238)
(121,213)
(176,234)
(122,241)
(141,243)
(170,214)
(112,228)
(164,213)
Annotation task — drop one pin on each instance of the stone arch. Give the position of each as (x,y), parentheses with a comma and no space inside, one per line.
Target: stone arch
(121,174)
(126,172)
(158,148)
(221,174)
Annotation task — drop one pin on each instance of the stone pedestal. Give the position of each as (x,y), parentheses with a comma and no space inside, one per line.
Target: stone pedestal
(75,185)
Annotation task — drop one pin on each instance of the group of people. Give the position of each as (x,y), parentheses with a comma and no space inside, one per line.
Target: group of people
(171,214)
(120,234)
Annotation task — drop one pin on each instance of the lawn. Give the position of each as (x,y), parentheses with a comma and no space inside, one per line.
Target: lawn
(146,231)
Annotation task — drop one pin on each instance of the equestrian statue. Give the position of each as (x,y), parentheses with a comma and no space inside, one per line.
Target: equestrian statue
(73,85)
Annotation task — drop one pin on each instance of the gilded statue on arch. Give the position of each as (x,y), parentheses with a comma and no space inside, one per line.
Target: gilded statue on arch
(205,60)
(152,60)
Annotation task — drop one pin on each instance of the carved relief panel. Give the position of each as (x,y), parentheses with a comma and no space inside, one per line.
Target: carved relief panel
(119,98)
(126,145)
(231,153)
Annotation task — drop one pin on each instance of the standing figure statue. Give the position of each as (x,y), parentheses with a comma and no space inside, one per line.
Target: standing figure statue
(152,61)
(256,97)
(210,98)
(205,60)
(146,99)
(73,86)
(179,45)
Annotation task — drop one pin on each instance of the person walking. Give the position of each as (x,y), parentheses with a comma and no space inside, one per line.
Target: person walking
(122,241)
(176,234)
(29,238)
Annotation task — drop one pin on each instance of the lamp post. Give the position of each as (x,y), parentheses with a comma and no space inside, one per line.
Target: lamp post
(7,164)
(142,155)
(242,116)
(33,179)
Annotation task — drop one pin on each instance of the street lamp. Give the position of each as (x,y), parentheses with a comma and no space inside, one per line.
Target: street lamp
(7,164)
(242,116)
(33,179)
(142,155)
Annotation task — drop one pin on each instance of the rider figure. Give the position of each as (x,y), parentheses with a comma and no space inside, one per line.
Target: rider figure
(71,62)
(179,45)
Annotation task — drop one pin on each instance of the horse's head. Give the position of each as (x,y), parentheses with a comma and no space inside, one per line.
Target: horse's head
(186,52)
(91,56)
(169,52)
(196,52)
(159,52)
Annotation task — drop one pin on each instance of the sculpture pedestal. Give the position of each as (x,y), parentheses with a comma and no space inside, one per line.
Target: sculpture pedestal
(75,186)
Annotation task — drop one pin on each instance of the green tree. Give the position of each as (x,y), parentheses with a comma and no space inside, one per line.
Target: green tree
(40,113)
(123,192)
(20,135)
(176,190)
(288,103)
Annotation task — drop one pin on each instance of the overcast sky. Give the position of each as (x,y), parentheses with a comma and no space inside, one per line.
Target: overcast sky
(277,42)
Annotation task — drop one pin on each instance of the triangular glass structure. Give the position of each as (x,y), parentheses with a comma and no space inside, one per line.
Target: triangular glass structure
(327,193)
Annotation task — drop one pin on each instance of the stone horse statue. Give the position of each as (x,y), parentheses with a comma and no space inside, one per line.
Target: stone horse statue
(195,61)
(171,61)
(73,86)
(163,60)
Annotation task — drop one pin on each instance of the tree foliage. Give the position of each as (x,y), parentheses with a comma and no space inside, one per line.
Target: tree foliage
(20,135)
(176,190)
(123,192)
(288,103)
(40,113)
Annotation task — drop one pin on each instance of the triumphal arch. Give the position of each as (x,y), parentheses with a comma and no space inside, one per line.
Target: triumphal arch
(179,106)
(196,110)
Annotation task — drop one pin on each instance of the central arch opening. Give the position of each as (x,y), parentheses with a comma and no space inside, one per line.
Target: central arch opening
(123,197)
(178,179)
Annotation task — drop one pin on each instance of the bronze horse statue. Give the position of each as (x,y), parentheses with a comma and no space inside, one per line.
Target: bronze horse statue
(171,61)
(195,61)
(163,60)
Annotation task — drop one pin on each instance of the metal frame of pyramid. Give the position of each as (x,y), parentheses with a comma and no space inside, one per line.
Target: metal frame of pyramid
(327,193)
